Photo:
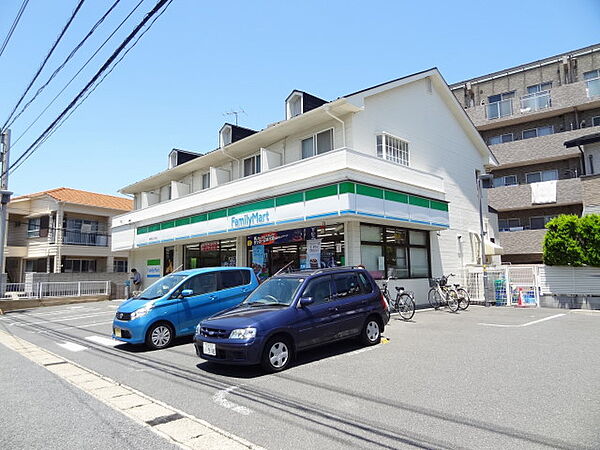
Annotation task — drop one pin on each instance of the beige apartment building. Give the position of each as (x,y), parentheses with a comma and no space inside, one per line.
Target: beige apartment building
(527,114)
(63,230)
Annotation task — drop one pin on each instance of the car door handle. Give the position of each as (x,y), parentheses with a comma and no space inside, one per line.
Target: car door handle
(213,297)
(332,309)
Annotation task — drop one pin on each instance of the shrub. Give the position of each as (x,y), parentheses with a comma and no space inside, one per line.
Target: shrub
(573,241)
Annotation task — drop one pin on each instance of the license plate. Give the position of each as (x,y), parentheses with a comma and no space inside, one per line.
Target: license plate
(209,349)
(117,332)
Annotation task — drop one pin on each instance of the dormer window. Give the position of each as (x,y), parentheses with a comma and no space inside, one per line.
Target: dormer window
(299,102)
(294,106)
(225,137)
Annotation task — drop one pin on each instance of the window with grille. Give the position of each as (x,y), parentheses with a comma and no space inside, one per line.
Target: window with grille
(392,149)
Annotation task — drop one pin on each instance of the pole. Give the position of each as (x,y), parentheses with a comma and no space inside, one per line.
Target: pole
(482,234)
(5,197)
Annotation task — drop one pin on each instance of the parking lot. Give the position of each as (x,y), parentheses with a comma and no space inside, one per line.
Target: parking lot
(482,378)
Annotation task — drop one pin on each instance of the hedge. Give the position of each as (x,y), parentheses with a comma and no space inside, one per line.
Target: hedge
(573,241)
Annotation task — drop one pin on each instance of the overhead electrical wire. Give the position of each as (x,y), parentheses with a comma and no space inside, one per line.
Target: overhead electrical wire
(64,63)
(78,72)
(65,113)
(46,58)
(13,26)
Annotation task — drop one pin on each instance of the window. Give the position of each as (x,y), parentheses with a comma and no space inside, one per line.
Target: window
(394,252)
(596,121)
(33,227)
(79,265)
(591,74)
(545,175)
(234,278)
(392,149)
(509,224)
(252,165)
(205,180)
(538,223)
(84,232)
(539,87)
(346,284)
(201,284)
(507,180)
(295,106)
(500,105)
(119,265)
(501,139)
(537,132)
(319,289)
(317,144)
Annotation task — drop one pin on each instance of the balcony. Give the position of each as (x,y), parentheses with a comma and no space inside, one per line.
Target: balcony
(507,198)
(558,100)
(541,149)
(535,102)
(522,242)
(88,239)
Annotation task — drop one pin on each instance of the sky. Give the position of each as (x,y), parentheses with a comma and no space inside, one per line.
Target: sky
(201,60)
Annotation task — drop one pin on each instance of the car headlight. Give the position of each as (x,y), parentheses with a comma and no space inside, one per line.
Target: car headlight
(243,333)
(198,327)
(141,312)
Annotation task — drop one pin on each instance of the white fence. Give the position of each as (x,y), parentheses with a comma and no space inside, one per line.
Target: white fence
(511,285)
(19,291)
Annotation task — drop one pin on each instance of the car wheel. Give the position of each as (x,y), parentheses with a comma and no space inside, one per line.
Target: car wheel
(160,335)
(371,333)
(277,354)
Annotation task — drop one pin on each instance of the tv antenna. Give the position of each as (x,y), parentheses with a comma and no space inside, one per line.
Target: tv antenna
(235,113)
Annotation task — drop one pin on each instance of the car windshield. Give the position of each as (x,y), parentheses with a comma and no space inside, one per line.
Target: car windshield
(161,287)
(275,291)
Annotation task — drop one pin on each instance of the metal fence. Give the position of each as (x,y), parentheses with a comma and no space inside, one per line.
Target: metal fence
(504,285)
(19,291)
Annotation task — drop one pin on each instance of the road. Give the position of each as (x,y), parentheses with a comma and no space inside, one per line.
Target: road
(483,378)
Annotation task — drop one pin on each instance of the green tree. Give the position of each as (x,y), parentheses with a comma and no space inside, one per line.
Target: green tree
(562,244)
(589,235)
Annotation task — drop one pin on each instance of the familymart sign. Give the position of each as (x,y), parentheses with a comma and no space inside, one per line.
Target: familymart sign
(339,199)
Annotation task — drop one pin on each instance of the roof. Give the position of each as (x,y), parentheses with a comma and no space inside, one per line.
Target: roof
(583,140)
(80,197)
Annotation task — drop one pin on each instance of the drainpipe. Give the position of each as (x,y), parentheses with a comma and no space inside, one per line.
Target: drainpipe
(582,160)
(328,111)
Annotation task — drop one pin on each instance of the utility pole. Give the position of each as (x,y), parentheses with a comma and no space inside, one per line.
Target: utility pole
(4,197)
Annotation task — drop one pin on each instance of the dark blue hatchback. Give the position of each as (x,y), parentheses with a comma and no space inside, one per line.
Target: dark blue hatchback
(292,312)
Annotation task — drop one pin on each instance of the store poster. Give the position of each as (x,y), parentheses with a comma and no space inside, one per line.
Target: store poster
(313,253)
(259,263)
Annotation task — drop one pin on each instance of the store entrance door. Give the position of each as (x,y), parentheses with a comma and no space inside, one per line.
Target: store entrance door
(280,255)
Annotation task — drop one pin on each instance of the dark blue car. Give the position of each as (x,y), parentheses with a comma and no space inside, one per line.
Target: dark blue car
(292,312)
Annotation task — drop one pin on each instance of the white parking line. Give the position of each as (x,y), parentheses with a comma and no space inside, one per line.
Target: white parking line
(219,399)
(107,342)
(61,319)
(521,325)
(71,346)
(95,324)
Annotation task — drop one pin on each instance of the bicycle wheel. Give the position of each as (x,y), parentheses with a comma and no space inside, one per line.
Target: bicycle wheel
(463,298)
(406,306)
(452,300)
(434,297)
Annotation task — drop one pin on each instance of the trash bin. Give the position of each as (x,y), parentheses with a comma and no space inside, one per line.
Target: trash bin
(500,292)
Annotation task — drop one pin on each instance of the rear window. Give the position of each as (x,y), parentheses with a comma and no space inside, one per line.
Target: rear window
(233,278)
(366,285)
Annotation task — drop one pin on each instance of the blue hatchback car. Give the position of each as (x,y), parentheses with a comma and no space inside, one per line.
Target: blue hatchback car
(292,312)
(173,305)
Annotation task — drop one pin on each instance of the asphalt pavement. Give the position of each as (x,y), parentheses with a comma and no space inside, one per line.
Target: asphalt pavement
(483,378)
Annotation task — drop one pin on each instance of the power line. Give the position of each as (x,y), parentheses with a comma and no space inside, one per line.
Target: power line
(37,74)
(51,128)
(13,26)
(67,59)
(78,72)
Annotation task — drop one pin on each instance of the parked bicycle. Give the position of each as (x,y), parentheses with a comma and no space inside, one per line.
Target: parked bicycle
(441,294)
(464,300)
(403,304)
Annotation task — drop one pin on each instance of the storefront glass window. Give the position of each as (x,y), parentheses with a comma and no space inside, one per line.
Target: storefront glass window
(210,254)
(394,252)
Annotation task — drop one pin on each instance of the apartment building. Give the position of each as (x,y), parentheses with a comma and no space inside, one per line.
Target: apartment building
(385,177)
(526,114)
(62,230)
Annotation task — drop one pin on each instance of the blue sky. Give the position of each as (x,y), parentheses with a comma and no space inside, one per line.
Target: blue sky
(203,59)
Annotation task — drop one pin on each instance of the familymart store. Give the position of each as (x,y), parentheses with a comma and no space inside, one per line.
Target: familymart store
(345,223)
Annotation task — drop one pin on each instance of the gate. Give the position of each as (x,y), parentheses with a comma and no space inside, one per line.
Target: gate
(504,286)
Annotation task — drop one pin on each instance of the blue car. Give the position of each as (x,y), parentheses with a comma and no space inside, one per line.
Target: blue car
(174,305)
(293,312)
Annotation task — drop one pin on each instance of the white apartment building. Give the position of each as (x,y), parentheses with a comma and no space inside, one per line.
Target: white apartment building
(384,177)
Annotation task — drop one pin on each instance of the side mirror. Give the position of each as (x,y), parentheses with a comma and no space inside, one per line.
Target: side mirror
(187,293)
(305,301)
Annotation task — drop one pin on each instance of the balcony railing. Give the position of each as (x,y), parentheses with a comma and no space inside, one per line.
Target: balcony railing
(91,239)
(499,109)
(535,101)
(593,88)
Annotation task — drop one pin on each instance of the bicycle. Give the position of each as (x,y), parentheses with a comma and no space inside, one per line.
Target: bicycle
(441,294)
(403,304)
